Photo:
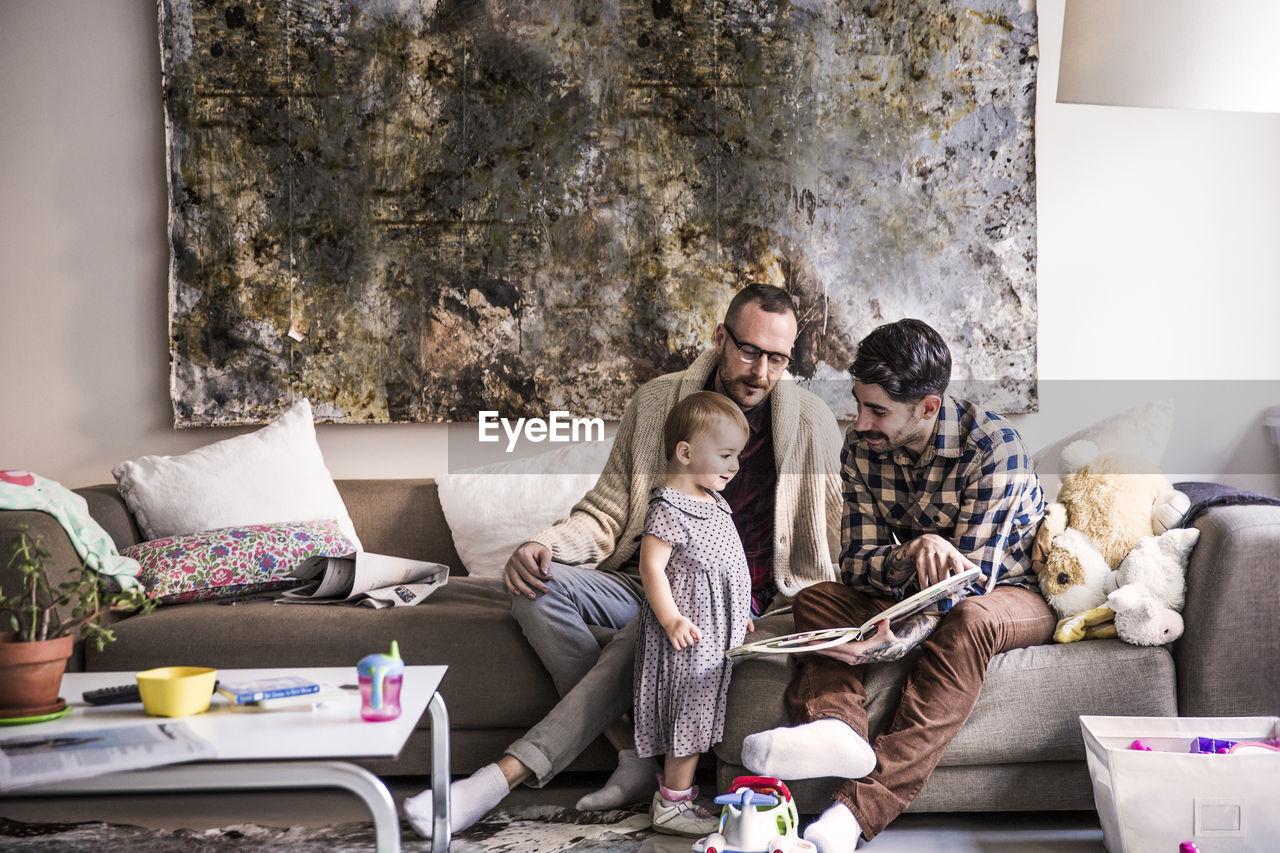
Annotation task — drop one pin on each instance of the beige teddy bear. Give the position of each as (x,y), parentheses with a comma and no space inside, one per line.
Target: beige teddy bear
(1108,501)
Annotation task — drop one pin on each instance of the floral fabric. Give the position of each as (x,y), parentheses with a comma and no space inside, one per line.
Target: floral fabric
(233,561)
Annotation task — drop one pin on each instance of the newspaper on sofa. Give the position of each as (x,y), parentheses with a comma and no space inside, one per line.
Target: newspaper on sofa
(368,580)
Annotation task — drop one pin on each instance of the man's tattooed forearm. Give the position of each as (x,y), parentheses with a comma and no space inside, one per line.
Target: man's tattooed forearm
(898,567)
(907,636)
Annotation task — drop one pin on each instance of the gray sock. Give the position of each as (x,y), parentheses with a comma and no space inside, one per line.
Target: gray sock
(634,781)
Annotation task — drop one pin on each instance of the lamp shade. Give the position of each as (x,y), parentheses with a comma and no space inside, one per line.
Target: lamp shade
(1187,54)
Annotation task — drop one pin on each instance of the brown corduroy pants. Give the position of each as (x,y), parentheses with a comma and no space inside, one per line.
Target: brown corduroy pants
(938,697)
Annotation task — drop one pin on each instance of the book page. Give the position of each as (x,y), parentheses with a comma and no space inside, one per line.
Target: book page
(36,759)
(338,578)
(401,595)
(379,571)
(944,588)
(374,580)
(313,567)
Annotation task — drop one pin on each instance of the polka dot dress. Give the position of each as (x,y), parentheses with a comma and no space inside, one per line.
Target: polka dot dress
(680,695)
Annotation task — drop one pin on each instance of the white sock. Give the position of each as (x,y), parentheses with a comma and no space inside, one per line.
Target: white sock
(634,781)
(826,747)
(469,800)
(837,831)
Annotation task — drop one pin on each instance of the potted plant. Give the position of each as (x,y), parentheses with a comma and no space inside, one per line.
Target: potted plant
(39,637)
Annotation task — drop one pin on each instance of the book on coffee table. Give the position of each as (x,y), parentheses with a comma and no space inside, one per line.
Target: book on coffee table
(241,692)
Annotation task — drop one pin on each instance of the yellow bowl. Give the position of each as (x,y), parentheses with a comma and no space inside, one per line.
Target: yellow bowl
(176,691)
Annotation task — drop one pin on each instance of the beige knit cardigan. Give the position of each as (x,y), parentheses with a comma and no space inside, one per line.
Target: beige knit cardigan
(604,528)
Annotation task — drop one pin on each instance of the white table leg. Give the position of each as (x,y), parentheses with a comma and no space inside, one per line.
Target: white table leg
(441,833)
(253,775)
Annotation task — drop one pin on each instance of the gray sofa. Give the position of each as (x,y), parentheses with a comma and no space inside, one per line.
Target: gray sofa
(1021,748)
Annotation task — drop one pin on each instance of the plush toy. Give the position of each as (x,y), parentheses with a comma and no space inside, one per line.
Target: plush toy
(1140,601)
(1107,503)
(1150,588)
(1115,499)
(1073,578)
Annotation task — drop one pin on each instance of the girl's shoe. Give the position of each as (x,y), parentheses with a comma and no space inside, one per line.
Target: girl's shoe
(685,818)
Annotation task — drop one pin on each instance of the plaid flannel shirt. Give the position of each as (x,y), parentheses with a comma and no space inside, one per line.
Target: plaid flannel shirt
(974,486)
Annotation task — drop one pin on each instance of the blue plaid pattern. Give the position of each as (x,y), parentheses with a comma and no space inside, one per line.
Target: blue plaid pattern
(974,486)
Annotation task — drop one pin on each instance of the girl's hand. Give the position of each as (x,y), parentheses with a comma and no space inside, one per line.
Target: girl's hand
(751,626)
(682,632)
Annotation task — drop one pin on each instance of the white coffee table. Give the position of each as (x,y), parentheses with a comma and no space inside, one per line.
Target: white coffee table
(308,748)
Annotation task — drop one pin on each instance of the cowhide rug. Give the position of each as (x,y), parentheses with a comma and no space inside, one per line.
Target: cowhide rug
(529,829)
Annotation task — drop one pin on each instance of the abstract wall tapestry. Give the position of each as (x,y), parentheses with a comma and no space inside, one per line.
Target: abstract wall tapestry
(411,210)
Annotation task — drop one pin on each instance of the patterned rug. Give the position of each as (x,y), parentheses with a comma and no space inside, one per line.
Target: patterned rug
(529,829)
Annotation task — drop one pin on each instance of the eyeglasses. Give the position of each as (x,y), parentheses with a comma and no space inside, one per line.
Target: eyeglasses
(750,354)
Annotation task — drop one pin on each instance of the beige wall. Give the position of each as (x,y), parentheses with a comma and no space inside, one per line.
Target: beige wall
(1158,261)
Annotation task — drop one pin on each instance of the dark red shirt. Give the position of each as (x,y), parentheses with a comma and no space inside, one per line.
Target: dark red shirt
(750,495)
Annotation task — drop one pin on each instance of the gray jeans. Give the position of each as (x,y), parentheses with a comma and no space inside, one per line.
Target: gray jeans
(594,682)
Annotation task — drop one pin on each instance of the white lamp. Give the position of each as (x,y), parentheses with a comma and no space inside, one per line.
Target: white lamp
(1182,54)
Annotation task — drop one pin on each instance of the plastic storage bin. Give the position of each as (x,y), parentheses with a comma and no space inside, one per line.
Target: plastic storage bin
(1151,802)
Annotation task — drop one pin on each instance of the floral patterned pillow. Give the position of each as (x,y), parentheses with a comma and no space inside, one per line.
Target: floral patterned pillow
(233,561)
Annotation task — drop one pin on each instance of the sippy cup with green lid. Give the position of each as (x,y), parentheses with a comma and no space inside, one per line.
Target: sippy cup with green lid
(380,680)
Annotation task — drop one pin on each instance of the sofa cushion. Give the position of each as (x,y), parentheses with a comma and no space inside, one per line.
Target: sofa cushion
(402,518)
(233,561)
(494,678)
(1028,710)
(109,509)
(493,509)
(1228,658)
(274,474)
(1142,431)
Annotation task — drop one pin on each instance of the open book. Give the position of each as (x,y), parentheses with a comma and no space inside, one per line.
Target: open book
(812,641)
(371,580)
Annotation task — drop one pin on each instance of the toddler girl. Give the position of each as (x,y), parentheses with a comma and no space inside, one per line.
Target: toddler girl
(697,604)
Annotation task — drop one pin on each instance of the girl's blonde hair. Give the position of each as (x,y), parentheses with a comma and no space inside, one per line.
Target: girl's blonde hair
(698,412)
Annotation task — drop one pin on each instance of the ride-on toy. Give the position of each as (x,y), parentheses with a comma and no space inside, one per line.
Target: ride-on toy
(759,816)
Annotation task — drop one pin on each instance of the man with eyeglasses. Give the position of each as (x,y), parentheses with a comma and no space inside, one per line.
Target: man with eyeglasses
(583,571)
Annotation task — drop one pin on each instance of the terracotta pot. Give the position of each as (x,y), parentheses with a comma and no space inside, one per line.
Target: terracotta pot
(31,673)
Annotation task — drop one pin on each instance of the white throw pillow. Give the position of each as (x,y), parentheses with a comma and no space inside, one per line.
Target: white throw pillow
(273,475)
(492,509)
(1142,431)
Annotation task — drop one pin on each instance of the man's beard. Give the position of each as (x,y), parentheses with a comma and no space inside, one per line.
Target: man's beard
(734,391)
(894,442)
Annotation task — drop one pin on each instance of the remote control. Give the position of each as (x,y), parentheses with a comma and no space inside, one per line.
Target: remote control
(113,695)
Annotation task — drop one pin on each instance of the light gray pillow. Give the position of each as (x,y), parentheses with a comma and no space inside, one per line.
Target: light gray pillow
(273,475)
(494,508)
(1142,431)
